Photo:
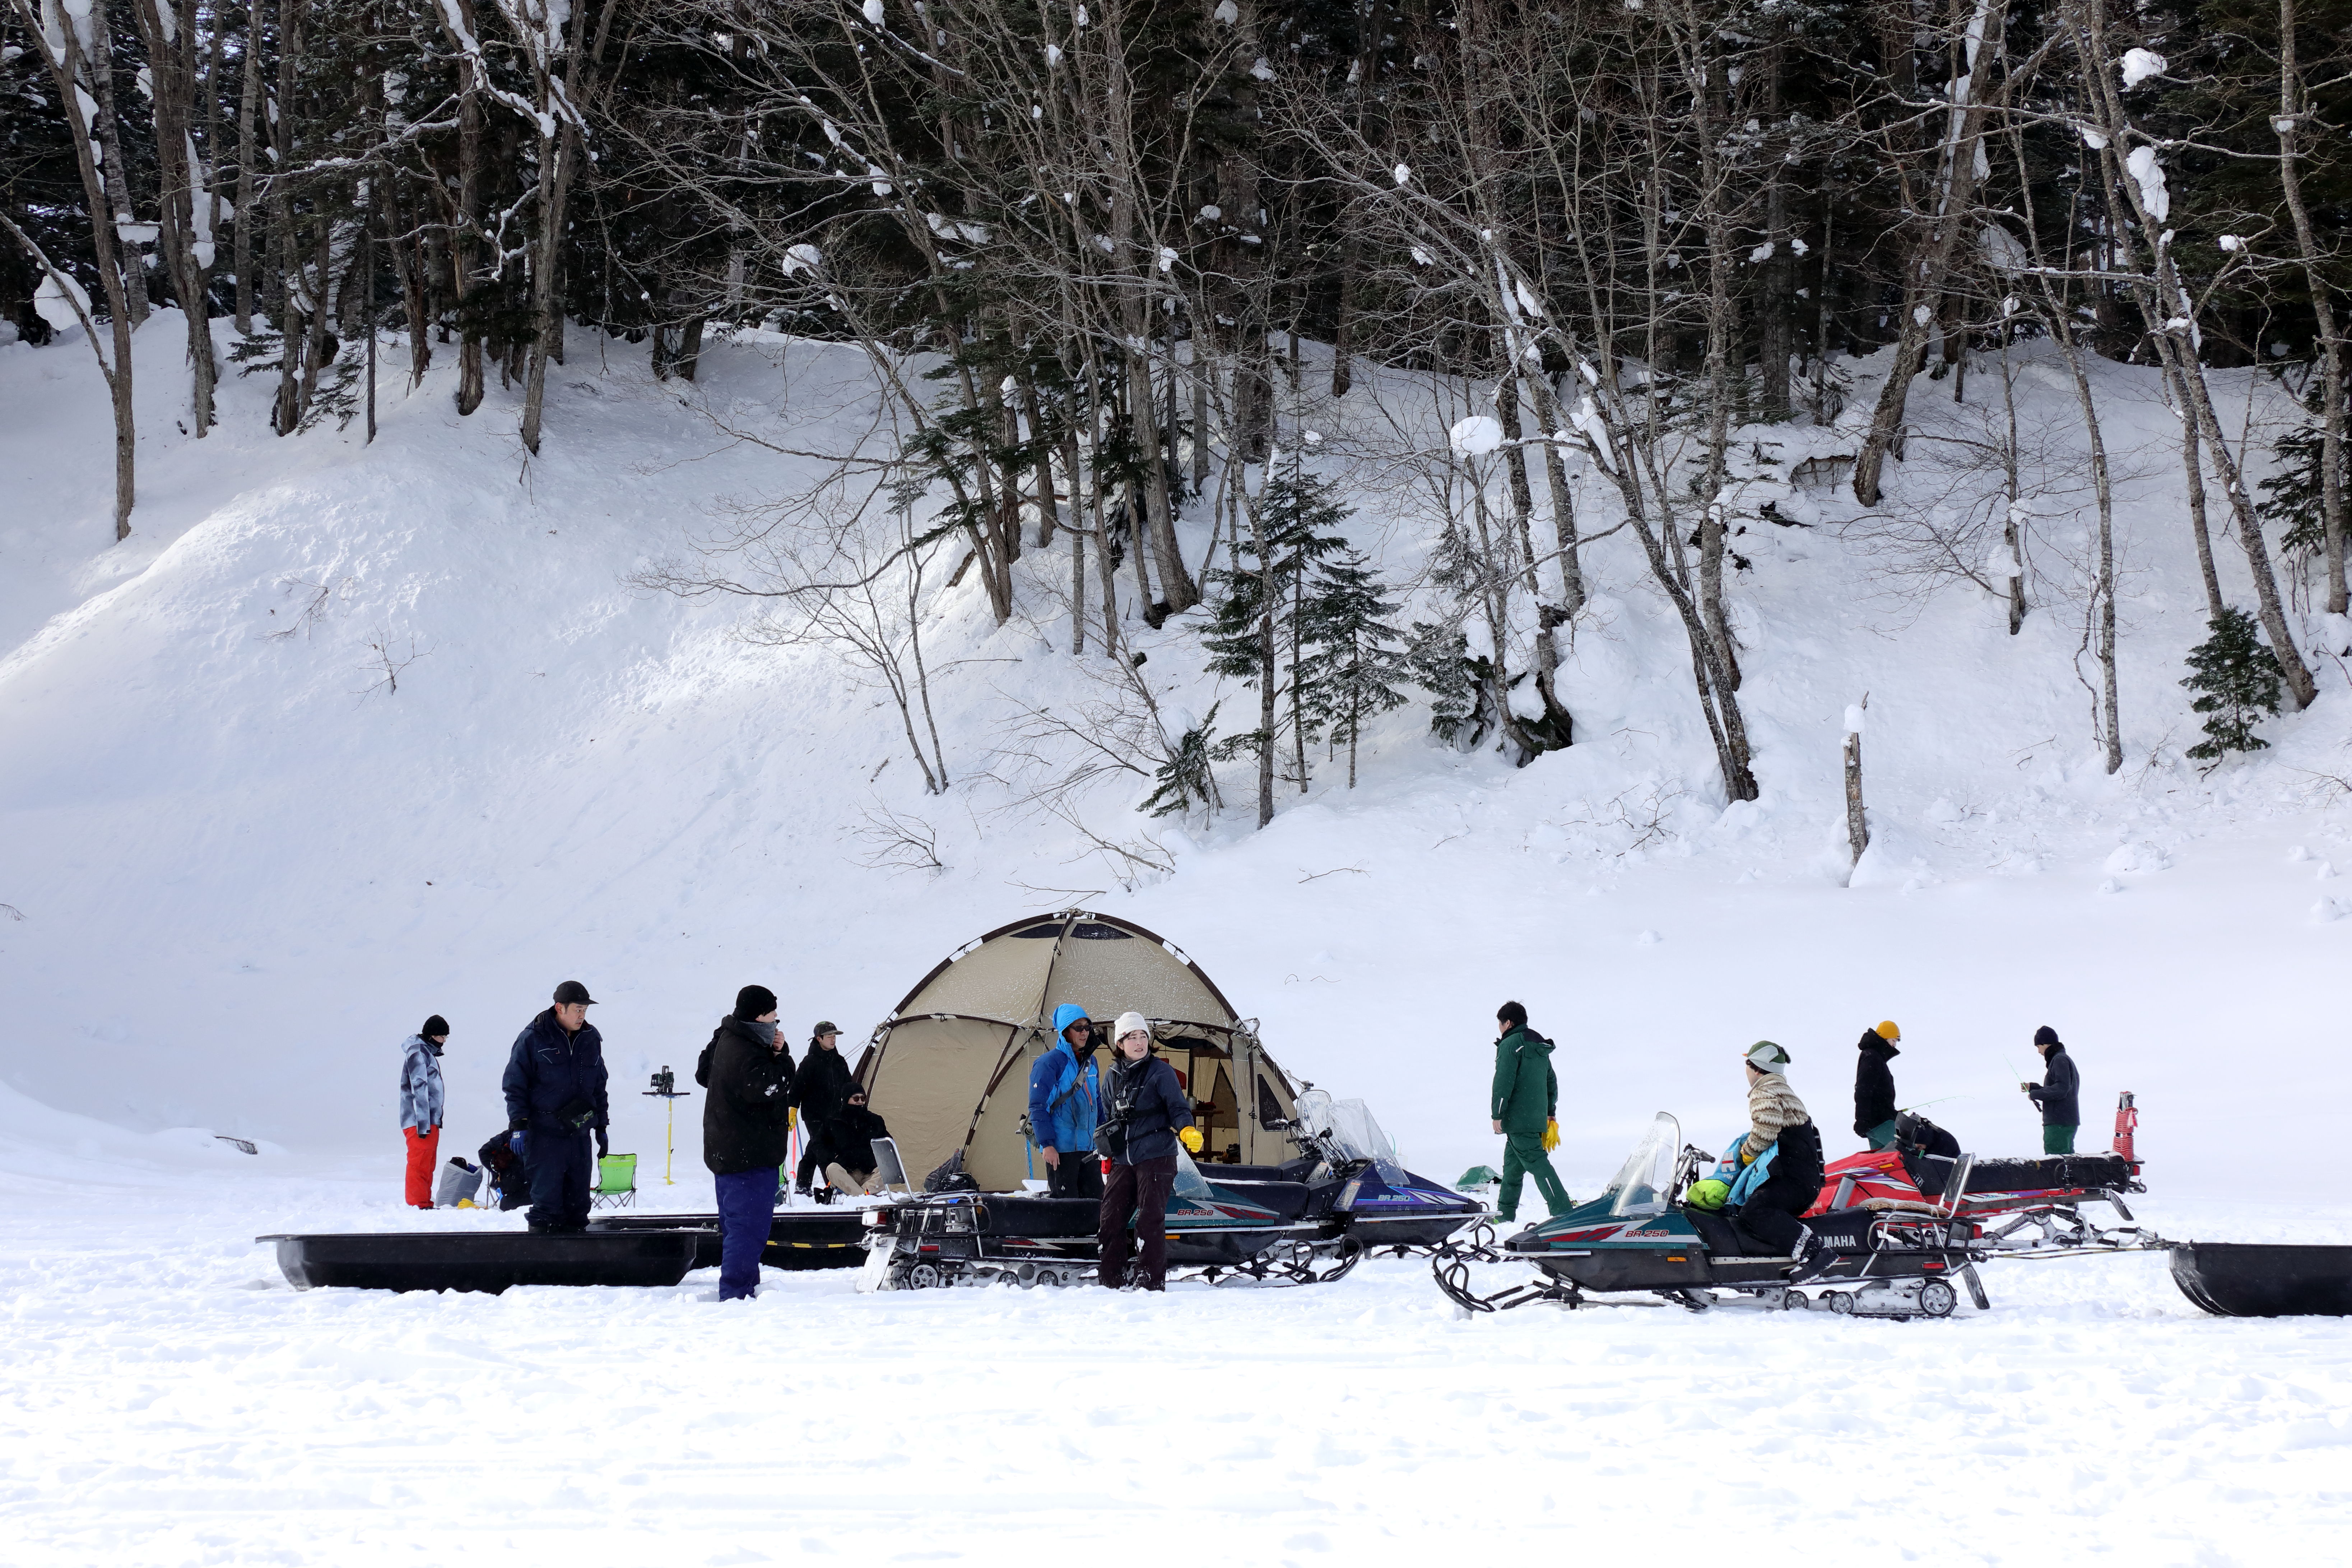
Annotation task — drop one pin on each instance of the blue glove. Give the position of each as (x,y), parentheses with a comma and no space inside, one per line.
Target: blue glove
(515,1144)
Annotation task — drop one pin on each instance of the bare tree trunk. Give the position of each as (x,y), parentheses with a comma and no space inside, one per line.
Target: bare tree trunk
(98,65)
(2194,473)
(1773,324)
(465,233)
(296,301)
(169,32)
(67,66)
(248,105)
(1927,274)
(1857,822)
(1563,505)
(2292,113)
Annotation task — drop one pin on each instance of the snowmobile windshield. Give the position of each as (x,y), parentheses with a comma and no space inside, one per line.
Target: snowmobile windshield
(1344,1130)
(1356,1135)
(1643,1183)
(1190,1183)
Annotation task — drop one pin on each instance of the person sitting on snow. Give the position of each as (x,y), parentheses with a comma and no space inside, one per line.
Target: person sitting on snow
(853,1166)
(1775,1169)
(1873,1086)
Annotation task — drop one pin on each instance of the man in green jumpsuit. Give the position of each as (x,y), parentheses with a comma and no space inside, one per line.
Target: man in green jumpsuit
(1526,1098)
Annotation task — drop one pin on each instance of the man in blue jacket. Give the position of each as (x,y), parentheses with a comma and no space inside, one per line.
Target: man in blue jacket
(1065,1103)
(555,1086)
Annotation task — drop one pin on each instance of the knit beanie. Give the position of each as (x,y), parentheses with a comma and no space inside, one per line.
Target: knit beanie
(1128,1024)
(753,1000)
(436,1027)
(2045,1036)
(1766,1056)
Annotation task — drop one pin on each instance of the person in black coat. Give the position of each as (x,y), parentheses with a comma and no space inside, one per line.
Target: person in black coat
(823,1089)
(850,1164)
(2059,1094)
(1146,1114)
(555,1086)
(506,1171)
(747,1131)
(1873,1086)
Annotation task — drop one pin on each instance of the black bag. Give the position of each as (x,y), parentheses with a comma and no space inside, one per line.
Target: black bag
(951,1177)
(575,1113)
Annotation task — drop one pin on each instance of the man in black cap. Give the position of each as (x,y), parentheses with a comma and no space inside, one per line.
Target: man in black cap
(747,1131)
(823,1089)
(555,1086)
(2059,1094)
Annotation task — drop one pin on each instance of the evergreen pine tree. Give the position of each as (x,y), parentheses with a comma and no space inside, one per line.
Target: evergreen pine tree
(1356,660)
(1441,664)
(1257,633)
(2237,682)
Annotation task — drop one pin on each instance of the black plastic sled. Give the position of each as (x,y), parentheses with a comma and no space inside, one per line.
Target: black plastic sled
(796,1240)
(489,1261)
(2235,1279)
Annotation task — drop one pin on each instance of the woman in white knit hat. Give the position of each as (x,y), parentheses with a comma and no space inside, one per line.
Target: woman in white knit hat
(1777,1167)
(1145,1116)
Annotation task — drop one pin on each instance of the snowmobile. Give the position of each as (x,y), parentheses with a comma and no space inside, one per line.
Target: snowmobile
(1639,1238)
(1305,1222)
(2030,1205)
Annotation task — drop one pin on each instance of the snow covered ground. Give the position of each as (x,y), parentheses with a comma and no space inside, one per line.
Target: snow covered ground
(165,1399)
(244,873)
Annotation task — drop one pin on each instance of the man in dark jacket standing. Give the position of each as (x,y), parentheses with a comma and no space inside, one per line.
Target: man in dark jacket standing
(555,1086)
(747,1132)
(1146,1116)
(1526,1098)
(1873,1086)
(821,1088)
(2059,1094)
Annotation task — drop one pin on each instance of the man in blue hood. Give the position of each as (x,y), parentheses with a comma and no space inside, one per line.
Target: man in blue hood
(1065,1103)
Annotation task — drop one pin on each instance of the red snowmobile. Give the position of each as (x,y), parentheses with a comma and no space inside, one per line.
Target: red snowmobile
(2017,1205)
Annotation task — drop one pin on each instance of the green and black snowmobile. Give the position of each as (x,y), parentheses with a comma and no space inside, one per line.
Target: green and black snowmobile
(1639,1238)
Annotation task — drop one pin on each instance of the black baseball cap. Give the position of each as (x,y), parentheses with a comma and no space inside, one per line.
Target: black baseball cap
(572,990)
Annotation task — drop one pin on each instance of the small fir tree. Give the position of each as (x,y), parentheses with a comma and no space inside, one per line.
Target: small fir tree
(1356,660)
(1257,635)
(2236,679)
(1439,657)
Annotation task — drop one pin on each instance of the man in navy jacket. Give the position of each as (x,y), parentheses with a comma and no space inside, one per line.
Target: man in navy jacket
(555,1086)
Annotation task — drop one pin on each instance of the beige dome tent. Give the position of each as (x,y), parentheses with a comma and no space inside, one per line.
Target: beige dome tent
(949,1069)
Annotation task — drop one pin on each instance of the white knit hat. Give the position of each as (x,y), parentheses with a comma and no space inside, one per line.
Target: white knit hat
(1128,1024)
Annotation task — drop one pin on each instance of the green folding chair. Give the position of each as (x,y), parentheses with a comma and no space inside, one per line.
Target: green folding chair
(616,1181)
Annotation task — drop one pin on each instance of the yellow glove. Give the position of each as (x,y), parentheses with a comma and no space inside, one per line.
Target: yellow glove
(1551,1135)
(792,1120)
(1190,1138)
(1745,1159)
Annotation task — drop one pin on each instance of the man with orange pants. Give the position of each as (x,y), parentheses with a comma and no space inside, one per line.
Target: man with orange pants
(420,1107)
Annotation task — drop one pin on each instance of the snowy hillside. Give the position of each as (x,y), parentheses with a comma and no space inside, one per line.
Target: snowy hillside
(246,867)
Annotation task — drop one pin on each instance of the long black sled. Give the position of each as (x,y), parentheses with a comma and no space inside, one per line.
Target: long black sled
(2237,1280)
(796,1239)
(489,1261)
